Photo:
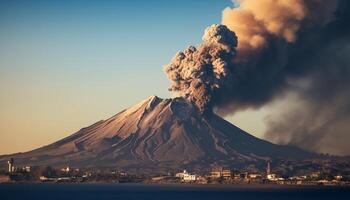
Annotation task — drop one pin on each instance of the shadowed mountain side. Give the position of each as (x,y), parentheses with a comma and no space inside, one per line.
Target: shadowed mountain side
(159,133)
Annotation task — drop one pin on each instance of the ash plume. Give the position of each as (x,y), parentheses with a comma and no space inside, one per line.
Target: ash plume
(284,46)
(198,73)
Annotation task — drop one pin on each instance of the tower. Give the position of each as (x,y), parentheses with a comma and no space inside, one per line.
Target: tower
(10,165)
(268,168)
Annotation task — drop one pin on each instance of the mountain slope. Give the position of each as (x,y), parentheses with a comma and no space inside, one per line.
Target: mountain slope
(159,133)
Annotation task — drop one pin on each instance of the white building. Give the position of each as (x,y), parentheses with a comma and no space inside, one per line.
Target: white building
(274,177)
(189,177)
(67,169)
(185,176)
(271,176)
(254,176)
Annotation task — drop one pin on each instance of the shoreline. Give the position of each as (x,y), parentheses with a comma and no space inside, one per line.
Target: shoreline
(183,185)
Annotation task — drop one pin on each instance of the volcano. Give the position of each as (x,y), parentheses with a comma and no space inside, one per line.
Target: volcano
(159,134)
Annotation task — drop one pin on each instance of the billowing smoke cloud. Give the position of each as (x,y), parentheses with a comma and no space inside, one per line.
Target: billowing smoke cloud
(284,46)
(257,22)
(197,73)
(270,37)
(300,47)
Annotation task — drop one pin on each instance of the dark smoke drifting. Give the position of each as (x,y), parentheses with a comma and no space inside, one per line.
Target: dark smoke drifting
(284,46)
(271,34)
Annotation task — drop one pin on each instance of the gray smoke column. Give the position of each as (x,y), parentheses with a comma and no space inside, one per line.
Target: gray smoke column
(197,73)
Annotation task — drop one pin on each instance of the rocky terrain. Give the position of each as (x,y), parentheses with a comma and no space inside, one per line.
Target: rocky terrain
(159,134)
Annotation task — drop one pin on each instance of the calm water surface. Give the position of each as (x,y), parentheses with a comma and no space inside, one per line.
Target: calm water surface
(164,192)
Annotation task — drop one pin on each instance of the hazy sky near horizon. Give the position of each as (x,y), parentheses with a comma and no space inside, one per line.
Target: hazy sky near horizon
(65,64)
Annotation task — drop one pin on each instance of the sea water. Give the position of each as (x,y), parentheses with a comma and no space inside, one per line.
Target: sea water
(177,192)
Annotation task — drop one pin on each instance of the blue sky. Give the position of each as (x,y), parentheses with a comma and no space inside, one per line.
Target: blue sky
(65,64)
(82,42)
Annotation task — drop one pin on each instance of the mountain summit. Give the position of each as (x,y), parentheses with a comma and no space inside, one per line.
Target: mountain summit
(159,134)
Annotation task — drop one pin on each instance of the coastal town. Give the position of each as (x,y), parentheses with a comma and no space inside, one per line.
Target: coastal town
(216,175)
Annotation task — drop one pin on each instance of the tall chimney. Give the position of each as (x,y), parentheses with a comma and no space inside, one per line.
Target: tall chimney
(268,169)
(10,165)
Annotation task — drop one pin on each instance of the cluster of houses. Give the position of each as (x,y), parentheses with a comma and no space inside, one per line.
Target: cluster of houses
(216,175)
(222,175)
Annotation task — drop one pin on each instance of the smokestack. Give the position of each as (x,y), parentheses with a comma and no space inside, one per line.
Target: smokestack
(11,167)
(268,168)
